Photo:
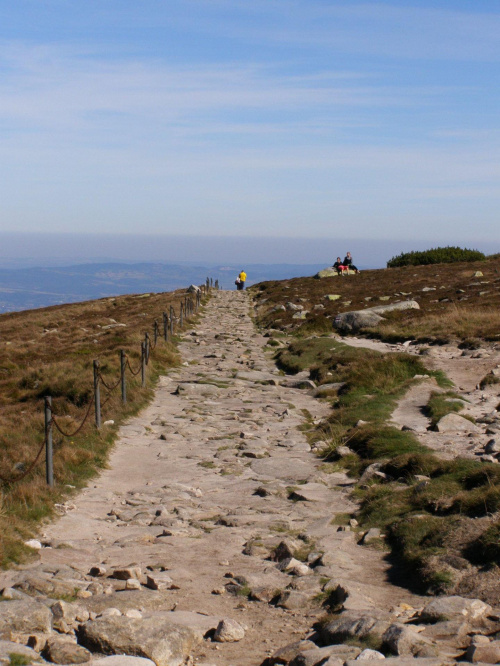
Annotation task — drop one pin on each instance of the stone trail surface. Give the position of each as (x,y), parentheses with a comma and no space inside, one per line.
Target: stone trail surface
(212,533)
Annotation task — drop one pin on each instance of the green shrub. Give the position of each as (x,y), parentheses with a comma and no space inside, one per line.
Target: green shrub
(438,255)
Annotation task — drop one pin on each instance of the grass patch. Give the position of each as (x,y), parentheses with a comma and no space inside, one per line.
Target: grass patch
(441,404)
(485,550)
(16,659)
(207,464)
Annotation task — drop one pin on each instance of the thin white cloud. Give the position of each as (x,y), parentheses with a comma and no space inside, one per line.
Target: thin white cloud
(56,88)
(366,28)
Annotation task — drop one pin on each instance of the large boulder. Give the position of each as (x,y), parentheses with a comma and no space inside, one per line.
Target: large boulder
(455,423)
(355,320)
(155,638)
(326,273)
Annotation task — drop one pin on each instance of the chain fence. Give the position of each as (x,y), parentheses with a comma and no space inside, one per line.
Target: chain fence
(188,307)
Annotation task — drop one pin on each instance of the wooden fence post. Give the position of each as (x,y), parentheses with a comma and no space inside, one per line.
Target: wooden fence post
(123,365)
(49,463)
(97,395)
(165,326)
(143,364)
(146,344)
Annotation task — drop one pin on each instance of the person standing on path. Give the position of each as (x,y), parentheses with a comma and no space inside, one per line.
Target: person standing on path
(242,278)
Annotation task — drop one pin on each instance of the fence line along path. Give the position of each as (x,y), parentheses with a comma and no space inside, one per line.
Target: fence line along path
(181,531)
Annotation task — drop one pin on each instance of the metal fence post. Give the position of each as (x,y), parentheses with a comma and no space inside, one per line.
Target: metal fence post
(123,365)
(143,363)
(97,395)
(165,326)
(49,463)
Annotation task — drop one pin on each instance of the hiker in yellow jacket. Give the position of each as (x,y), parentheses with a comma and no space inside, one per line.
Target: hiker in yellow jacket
(240,282)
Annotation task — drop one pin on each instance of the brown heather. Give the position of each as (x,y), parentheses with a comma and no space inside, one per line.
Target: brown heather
(458,306)
(50,352)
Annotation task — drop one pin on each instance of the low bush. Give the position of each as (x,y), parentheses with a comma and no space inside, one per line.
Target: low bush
(438,255)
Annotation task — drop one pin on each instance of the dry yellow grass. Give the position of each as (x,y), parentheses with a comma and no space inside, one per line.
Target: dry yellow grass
(460,321)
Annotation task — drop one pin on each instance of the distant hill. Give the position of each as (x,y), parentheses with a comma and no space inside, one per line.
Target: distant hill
(29,288)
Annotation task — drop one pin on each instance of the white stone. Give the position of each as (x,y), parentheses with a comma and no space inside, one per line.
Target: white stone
(370,654)
(33,543)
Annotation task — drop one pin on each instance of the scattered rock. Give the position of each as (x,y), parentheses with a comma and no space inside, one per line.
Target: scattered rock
(487,653)
(370,654)
(372,536)
(450,607)
(61,650)
(403,640)
(160,580)
(229,631)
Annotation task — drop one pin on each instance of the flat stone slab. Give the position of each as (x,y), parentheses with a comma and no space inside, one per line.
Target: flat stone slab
(290,469)
(256,376)
(312,492)
(24,617)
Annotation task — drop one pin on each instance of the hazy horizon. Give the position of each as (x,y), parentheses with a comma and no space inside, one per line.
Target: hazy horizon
(22,250)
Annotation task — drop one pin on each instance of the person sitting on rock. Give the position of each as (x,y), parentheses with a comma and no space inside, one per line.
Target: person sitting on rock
(348,263)
(339,266)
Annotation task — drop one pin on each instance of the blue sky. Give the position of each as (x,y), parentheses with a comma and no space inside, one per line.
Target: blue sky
(278,118)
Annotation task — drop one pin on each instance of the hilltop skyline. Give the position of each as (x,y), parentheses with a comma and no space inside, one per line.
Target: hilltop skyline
(292,119)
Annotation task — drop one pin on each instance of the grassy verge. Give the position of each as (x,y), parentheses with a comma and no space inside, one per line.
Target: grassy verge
(419,500)
(50,352)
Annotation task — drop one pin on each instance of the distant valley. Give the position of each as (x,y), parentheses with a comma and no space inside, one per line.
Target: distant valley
(29,288)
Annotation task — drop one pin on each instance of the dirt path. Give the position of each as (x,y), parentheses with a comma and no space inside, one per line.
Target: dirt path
(203,484)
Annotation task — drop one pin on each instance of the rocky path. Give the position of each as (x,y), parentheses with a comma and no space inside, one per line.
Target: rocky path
(213,537)
(182,529)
